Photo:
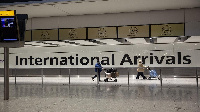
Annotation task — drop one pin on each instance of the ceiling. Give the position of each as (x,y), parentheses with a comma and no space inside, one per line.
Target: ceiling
(97,42)
(52,8)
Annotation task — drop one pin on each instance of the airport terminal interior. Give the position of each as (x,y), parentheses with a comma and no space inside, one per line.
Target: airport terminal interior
(51,51)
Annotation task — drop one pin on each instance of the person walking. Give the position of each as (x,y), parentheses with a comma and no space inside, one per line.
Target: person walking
(98,69)
(140,70)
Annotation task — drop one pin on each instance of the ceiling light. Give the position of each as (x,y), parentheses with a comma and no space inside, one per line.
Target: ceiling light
(64,3)
(50,4)
(36,5)
(21,6)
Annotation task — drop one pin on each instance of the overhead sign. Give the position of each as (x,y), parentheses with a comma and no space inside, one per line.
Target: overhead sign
(102,32)
(74,33)
(7,13)
(70,56)
(133,31)
(28,36)
(38,35)
(167,30)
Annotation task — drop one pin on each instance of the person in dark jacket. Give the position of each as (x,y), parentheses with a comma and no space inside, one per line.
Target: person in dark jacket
(98,69)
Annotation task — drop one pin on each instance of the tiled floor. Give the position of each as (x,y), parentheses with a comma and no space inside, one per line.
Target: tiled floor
(84,95)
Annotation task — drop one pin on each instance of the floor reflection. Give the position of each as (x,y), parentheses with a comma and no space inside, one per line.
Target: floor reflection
(151,92)
(108,98)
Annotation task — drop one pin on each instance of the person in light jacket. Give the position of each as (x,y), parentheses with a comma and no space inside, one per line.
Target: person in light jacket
(140,70)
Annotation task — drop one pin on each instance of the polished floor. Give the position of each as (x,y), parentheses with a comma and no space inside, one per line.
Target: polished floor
(55,94)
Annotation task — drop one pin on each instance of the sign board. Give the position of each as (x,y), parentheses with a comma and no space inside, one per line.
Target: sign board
(27,36)
(102,32)
(70,56)
(133,31)
(7,13)
(39,35)
(75,33)
(167,30)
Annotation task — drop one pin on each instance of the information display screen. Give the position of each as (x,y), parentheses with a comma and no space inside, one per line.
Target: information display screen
(7,22)
(8,29)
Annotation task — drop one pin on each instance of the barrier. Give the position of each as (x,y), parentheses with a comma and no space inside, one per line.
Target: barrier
(42,75)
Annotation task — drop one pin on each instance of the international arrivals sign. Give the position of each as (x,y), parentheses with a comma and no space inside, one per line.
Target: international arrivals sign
(109,56)
(126,59)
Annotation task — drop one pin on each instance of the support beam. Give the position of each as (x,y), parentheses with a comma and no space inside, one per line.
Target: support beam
(6,74)
(69,76)
(128,77)
(197,78)
(161,77)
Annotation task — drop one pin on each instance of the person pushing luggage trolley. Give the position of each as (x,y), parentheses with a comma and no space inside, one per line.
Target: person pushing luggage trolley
(140,70)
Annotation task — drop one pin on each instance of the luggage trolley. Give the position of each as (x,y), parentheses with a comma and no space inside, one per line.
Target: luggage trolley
(111,73)
(153,74)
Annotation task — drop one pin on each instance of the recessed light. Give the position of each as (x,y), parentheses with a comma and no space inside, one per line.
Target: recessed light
(21,6)
(36,5)
(51,4)
(64,3)
(122,12)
